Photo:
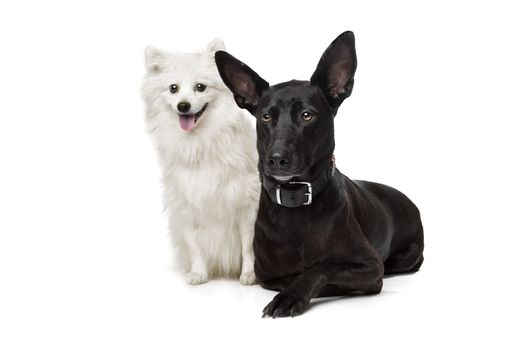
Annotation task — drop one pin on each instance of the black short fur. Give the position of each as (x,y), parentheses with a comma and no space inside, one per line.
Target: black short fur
(353,232)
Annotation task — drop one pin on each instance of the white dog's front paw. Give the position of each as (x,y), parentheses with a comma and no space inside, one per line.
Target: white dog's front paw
(196,278)
(248,278)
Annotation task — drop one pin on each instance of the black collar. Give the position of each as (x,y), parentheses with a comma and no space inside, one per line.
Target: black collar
(297,193)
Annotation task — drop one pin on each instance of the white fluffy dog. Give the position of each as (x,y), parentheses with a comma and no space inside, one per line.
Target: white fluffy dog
(206,146)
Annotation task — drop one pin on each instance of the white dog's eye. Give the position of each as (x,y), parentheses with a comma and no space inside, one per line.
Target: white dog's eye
(173,88)
(200,87)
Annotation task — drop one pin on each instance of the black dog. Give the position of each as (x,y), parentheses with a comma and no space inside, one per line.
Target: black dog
(317,232)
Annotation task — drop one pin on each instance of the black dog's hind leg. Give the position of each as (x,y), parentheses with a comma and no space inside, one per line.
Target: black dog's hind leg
(407,260)
(364,276)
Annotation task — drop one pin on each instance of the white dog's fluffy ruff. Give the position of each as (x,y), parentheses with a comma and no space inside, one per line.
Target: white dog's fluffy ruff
(210,178)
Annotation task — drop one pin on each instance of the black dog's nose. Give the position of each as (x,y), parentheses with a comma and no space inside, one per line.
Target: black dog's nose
(183,107)
(278,160)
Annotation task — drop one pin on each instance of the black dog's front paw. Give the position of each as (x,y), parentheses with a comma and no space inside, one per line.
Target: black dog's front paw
(284,305)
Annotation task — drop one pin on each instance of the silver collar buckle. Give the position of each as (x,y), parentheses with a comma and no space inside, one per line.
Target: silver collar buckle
(308,192)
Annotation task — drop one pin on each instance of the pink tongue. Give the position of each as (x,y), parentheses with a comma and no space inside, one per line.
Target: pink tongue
(187,122)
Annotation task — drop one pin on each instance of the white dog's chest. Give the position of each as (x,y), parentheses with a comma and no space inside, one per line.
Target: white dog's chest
(207,188)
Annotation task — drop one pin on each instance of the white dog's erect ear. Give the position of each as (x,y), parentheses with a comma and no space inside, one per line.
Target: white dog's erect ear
(155,59)
(216,45)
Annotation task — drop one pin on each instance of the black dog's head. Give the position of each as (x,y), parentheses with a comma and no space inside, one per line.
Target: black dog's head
(295,129)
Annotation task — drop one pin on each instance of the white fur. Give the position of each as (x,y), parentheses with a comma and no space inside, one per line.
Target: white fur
(210,178)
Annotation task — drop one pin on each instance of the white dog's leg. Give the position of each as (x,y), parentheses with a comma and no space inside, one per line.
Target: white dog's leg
(199,272)
(246,229)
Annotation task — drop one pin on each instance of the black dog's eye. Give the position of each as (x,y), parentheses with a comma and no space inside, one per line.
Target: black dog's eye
(200,87)
(307,116)
(173,88)
(266,118)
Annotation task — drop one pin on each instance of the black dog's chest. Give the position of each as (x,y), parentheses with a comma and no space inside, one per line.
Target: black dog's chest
(281,257)
(288,240)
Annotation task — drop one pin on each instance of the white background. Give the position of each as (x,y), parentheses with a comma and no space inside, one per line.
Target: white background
(437,111)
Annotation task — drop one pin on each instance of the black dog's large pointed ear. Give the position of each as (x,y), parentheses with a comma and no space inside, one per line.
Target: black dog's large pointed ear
(246,85)
(334,74)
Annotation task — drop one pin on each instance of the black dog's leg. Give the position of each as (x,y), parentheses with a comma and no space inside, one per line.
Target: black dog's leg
(364,276)
(407,260)
(280,283)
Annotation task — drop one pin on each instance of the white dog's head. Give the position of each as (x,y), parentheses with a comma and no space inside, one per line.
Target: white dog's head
(183,86)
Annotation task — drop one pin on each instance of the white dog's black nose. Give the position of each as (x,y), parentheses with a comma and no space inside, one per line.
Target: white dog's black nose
(183,107)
